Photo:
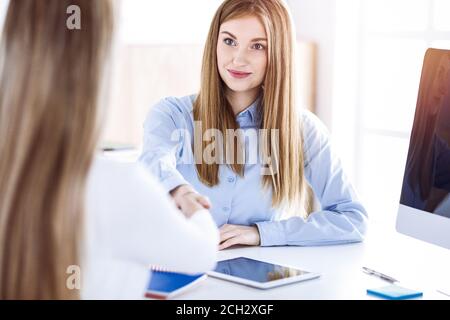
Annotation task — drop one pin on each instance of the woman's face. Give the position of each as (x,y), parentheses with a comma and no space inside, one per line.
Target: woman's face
(242,53)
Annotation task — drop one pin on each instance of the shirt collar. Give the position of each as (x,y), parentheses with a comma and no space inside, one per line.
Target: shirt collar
(252,113)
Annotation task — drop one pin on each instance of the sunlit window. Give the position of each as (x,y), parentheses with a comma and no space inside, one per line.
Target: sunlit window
(441,20)
(397,15)
(391,40)
(390,81)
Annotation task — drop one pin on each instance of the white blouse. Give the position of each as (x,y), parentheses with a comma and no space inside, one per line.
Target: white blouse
(130,224)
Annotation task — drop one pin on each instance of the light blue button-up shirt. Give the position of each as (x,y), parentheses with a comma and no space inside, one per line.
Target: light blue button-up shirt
(242,200)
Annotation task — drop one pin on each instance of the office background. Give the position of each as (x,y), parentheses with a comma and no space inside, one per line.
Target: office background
(367,61)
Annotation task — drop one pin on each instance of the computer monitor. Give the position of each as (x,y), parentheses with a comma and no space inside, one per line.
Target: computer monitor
(424,211)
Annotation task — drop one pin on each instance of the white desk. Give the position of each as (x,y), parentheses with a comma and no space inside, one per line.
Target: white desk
(396,255)
(416,264)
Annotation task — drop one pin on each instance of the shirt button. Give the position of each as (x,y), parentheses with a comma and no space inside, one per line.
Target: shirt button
(226,209)
(230,179)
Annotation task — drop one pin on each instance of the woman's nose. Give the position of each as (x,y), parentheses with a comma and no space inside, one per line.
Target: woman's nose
(240,57)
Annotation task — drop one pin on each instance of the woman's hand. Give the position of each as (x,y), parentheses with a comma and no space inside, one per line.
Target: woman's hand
(188,200)
(231,235)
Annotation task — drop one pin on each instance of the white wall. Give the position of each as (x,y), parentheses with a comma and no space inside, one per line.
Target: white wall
(334,27)
(3,8)
(166,21)
(315,21)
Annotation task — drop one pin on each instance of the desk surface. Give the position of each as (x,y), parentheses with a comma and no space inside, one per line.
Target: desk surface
(415,264)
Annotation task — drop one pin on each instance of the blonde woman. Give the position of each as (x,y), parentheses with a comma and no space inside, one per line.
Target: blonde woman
(50,245)
(247,83)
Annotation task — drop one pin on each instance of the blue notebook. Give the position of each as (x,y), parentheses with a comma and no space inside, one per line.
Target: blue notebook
(394,292)
(165,285)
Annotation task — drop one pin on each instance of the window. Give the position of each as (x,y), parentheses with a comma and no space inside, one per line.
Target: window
(381,84)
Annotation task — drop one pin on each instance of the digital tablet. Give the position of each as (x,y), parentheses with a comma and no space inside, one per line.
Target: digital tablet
(259,274)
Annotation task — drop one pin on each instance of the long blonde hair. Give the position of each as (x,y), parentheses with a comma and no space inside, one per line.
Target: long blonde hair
(279,110)
(49,82)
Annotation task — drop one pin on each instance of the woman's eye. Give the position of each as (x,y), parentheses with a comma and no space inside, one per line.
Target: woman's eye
(258,46)
(229,42)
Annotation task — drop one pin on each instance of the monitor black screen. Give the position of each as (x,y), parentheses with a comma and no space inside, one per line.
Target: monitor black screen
(426,183)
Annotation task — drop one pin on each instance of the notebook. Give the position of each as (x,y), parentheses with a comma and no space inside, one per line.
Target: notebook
(166,284)
(394,292)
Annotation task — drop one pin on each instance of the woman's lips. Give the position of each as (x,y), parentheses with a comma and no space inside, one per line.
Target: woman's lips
(238,74)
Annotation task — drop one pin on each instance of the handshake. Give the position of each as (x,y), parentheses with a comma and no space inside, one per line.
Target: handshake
(188,200)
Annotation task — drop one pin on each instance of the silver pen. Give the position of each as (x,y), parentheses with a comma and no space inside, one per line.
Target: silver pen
(379,275)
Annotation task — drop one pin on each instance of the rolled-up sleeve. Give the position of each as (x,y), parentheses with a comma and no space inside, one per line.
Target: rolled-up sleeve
(162,144)
(341,219)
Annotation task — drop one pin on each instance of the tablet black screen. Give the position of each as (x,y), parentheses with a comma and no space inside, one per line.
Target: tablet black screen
(255,270)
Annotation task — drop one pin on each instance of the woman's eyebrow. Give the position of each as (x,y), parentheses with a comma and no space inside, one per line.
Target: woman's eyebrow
(259,39)
(235,38)
(230,34)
